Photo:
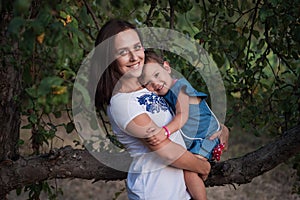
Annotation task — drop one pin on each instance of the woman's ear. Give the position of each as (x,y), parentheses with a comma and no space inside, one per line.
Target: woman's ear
(167,67)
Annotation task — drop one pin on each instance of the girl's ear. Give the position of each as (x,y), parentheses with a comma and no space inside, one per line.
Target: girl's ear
(167,67)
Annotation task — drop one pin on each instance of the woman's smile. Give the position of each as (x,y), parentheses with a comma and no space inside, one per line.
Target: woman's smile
(135,66)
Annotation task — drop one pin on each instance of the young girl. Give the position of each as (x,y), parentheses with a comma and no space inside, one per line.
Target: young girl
(193,116)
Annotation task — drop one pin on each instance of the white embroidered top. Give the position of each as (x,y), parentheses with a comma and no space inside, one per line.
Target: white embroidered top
(148,177)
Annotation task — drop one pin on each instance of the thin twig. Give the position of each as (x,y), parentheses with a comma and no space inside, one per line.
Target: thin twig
(276,52)
(172,15)
(92,14)
(252,28)
(152,7)
(205,25)
(242,14)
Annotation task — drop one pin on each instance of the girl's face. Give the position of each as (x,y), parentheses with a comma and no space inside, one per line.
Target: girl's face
(129,53)
(157,78)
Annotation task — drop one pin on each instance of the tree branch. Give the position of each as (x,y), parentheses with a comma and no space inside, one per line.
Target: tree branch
(243,169)
(74,163)
(149,14)
(63,163)
(251,29)
(172,15)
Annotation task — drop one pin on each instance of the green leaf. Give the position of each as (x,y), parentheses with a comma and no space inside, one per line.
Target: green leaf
(201,36)
(94,123)
(44,17)
(33,118)
(27,44)
(218,59)
(27,76)
(82,92)
(256,34)
(19,191)
(28,126)
(296,33)
(230,12)
(32,92)
(70,127)
(47,83)
(21,142)
(264,13)
(57,114)
(15,25)
(261,44)
(37,27)
(21,7)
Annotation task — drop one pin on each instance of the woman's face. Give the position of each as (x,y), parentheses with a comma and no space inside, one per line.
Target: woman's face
(129,53)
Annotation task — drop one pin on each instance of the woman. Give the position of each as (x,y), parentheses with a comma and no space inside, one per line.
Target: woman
(135,114)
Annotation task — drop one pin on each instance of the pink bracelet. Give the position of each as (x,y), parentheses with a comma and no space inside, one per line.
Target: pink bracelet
(167,131)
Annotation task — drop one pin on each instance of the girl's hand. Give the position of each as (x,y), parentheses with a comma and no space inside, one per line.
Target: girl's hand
(155,139)
(223,135)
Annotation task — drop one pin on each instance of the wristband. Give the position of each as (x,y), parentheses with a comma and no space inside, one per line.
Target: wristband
(167,131)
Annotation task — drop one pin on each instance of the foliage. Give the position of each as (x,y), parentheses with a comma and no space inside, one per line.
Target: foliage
(35,191)
(254,43)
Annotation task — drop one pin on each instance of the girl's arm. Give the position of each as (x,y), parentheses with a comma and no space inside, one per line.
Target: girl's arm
(182,112)
(174,154)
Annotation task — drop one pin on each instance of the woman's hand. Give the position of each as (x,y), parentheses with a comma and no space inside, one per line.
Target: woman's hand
(155,139)
(223,135)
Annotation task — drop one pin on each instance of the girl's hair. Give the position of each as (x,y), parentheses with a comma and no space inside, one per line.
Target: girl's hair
(152,56)
(103,62)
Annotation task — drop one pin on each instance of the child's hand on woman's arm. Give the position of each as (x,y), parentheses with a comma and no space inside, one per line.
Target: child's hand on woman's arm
(223,135)
(182,114)
(173,154)
(155,139)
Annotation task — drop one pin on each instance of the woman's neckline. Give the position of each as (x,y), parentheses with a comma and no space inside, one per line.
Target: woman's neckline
(128,86)
(131,90)
(129,93)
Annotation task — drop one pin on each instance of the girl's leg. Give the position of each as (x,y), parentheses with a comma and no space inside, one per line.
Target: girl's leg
(195,185)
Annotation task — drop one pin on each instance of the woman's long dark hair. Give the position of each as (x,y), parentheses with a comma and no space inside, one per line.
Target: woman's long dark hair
(104,61)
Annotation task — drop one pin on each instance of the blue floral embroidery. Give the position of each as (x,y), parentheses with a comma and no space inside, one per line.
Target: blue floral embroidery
(153,103)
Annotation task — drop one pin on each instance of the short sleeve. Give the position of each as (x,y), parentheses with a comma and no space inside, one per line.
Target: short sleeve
(123,109)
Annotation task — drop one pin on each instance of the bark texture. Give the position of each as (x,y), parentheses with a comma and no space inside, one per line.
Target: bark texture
(74,163)
(10,90)
(243,169)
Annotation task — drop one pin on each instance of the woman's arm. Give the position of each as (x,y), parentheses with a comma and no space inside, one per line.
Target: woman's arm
(179,157)
(174,154)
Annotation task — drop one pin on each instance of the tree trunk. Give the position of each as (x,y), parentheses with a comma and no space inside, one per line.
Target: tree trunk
(9,114)
(10,90)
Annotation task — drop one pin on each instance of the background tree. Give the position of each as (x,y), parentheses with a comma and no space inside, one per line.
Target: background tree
(254,43)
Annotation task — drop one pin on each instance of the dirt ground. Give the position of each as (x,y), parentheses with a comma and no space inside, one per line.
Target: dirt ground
(276,184)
